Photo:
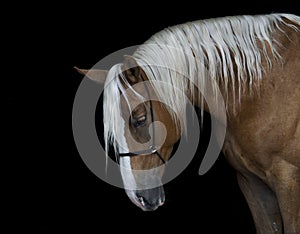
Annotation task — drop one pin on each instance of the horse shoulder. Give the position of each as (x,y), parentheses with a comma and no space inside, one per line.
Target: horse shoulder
(268,125)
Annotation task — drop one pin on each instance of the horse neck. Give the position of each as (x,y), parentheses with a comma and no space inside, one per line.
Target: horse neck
(209,99)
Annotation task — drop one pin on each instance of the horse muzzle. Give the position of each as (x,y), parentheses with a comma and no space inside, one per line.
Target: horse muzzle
(151,199)
(148,199)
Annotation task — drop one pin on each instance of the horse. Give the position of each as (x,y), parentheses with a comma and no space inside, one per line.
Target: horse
(253,63)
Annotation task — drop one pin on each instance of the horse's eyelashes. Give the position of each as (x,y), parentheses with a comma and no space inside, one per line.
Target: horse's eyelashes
(139,122)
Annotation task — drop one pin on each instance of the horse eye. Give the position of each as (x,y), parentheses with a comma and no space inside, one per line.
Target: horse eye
(141,121)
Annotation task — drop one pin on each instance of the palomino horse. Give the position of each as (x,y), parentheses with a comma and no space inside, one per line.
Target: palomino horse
(255,62)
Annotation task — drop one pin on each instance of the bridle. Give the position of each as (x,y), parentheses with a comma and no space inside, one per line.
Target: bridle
(152,149)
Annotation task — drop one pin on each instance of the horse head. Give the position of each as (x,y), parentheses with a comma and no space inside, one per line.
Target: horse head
(141,128)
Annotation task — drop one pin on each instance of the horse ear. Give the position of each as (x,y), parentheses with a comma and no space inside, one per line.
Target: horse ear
(94,74)
(131,69)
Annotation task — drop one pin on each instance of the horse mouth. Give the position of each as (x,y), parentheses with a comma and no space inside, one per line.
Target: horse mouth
(145,203)
(146,207)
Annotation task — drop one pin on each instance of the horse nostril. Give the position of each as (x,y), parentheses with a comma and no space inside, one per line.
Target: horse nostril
(141,200)
(145,203)
(150,199)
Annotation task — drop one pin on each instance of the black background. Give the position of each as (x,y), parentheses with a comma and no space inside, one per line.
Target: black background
(54,190)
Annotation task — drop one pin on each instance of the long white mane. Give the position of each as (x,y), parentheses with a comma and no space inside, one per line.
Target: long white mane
(224,50)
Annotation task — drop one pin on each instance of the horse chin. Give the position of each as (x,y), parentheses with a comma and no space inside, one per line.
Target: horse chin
(142,200)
